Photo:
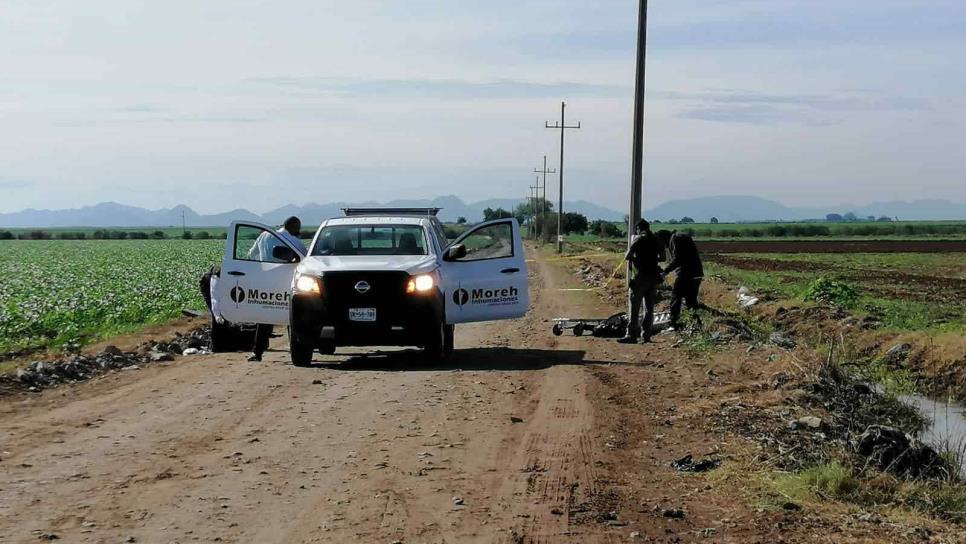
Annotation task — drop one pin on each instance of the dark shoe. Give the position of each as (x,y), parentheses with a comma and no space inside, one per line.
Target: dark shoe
(627,340)
(644,340)
(254,357)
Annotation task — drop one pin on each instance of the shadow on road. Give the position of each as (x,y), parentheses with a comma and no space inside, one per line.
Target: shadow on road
(507,359)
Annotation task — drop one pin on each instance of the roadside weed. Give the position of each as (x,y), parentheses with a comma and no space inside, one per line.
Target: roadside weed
(829,291)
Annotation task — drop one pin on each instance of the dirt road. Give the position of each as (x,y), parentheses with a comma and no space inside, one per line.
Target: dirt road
(525,437)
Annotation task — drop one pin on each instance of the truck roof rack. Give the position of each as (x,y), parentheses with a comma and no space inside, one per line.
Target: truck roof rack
(350,212)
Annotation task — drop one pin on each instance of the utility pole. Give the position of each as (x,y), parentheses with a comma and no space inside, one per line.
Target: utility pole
(562,127)
(534,192)
(543,200)
(184,229)
(637,152)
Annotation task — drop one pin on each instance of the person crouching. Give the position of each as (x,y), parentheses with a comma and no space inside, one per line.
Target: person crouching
(686,261)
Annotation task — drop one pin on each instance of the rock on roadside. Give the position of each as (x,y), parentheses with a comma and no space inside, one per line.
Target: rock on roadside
(41,375)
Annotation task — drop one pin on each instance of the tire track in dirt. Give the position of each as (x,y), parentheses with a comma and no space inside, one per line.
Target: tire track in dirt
(554,466)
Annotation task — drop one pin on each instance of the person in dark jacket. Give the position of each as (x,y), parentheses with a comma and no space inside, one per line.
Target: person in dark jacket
(644,254)
(686,261)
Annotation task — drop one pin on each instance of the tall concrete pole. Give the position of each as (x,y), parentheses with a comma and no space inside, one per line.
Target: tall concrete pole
(637,166)
(560,210)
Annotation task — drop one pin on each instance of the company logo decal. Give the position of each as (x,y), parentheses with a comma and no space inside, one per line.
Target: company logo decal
(500,296)
(239,295)
(363,287)
(461,297)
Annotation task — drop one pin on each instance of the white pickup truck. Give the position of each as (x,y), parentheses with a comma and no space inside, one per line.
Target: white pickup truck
(376,277)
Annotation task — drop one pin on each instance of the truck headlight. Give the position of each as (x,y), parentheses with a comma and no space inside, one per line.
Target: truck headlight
(420,284)
(308,285)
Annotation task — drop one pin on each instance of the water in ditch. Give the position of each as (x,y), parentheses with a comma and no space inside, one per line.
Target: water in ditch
(946,423)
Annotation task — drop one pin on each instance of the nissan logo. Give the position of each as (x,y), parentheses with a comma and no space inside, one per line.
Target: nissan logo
(363,287)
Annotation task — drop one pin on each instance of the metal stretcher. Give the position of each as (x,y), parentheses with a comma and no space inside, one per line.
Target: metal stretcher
(608,327)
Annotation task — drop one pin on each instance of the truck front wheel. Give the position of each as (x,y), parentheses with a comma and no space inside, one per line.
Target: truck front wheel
(300,350)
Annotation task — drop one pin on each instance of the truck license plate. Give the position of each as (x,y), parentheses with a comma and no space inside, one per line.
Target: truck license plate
(362,314)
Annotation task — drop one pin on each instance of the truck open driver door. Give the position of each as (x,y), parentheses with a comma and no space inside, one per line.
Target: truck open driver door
(485,275)
(256,275)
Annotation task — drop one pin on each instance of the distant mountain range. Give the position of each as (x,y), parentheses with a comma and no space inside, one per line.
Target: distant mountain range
(112,214)
(728,209)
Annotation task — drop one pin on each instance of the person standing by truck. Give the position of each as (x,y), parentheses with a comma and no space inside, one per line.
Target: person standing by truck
(644,254)
(686,260)
(264,245)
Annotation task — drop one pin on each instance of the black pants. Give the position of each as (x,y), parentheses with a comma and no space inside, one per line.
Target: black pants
(263,333)
(643,289)
(685,291)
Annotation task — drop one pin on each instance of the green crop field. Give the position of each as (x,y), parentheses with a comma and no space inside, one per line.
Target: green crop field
(63,294)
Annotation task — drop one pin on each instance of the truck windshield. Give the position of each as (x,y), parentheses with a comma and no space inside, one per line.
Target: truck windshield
(371,240)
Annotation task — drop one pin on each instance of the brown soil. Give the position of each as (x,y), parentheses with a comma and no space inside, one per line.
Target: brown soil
(889,283)
(524,437)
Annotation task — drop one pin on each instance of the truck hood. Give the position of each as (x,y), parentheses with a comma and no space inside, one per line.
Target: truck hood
(413,264)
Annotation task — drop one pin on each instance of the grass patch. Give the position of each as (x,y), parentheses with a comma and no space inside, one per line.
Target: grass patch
(831,480)
(697,338)
(836,482)
(780,284)
(891,381)
(703,331)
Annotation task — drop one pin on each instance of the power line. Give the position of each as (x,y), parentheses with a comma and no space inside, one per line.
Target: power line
(562,127)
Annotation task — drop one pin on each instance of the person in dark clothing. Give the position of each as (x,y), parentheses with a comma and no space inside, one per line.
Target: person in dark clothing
(290,231)
(644,254)
(686,260)
(263,334)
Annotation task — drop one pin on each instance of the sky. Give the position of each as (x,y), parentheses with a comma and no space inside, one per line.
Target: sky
(255,104)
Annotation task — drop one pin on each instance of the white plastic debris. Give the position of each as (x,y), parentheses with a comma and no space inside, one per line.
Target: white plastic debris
(745,300)
(194,351)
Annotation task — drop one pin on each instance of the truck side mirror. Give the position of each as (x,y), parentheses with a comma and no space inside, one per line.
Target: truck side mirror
(284,254)
(455,252)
